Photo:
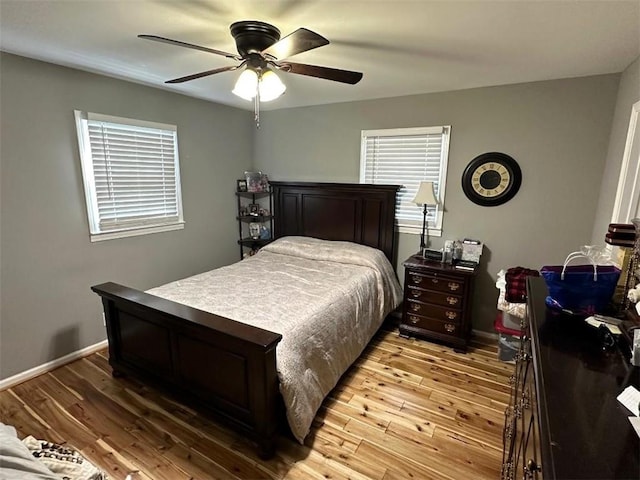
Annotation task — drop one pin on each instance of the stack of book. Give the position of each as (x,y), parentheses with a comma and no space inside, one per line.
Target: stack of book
(621,235)
(466,265)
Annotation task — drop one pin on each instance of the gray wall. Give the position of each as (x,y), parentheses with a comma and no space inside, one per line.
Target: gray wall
(558,132)
(47,261)
(628,94)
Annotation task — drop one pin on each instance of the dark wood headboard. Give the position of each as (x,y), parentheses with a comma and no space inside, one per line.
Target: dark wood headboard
(354,212)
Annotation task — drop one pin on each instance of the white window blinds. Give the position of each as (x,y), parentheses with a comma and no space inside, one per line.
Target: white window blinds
(131,173)
(406,157)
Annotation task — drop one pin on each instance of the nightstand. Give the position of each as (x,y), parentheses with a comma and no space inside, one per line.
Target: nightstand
(437,302)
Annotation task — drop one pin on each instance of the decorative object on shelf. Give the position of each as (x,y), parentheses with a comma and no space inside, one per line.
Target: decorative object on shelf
(243,211)
(253,181)
(254,230)
(263,212)
(427,198)
(491,179)
(241,185)
(265,233)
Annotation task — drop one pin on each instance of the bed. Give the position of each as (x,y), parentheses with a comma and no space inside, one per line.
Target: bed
(231,368)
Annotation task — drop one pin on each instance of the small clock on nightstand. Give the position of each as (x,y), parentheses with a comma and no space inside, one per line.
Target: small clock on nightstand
(437,302)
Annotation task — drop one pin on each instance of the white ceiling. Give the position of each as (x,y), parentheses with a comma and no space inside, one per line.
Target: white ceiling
(403,47)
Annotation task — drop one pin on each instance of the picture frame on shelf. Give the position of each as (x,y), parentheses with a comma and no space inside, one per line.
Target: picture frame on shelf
(241,185)
(253,209)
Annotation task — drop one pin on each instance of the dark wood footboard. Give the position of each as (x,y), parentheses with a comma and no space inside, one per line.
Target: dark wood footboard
(223,366)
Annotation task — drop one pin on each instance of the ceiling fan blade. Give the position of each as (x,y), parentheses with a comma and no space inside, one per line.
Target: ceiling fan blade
(299,41)
(203,74)
(344,76)
(178,43)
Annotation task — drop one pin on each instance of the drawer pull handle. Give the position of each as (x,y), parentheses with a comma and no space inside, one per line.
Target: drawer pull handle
(416,279)
(435,280)
(415,307)
(453,286)
(415,293)
(449,327)
(451,315)
(413,319)
(452,300)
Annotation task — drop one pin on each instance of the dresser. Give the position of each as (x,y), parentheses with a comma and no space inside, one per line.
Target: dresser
(563,420)
(437,302)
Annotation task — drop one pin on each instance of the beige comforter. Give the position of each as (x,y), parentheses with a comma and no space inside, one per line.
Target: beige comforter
(327,299)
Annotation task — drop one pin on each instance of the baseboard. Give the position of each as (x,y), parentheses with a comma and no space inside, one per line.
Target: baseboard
(482,333)
(47,367)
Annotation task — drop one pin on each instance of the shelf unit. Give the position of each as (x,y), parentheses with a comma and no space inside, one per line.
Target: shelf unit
(244,199)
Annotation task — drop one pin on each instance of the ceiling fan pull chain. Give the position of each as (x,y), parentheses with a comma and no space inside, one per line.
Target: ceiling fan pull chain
(256,108)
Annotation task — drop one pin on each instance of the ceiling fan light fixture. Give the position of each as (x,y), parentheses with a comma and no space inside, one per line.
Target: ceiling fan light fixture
(246,86)
(270,86)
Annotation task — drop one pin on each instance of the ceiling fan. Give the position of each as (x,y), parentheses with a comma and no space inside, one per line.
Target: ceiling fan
(261,51)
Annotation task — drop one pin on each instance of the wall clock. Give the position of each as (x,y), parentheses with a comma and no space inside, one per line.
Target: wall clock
(491,179)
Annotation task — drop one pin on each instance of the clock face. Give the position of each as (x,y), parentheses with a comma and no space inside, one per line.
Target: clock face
(491,179)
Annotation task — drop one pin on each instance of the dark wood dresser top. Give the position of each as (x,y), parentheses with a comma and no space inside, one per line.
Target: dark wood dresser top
(585,432)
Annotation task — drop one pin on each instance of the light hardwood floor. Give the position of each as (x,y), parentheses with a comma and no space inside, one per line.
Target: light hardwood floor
(407,409)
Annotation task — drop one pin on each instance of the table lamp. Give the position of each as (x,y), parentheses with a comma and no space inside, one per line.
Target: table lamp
(425,197)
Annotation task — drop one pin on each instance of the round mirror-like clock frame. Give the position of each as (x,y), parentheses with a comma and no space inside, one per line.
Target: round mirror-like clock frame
(491,179)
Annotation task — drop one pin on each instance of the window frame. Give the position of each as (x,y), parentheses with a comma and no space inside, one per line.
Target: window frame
(433,224)
(88,178)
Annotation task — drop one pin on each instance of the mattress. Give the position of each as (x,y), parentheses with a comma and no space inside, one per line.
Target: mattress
(327,299)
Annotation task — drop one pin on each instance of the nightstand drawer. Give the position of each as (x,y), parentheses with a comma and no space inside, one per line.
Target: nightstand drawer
(428,296)
(437,312)
(435,282)
(437,326)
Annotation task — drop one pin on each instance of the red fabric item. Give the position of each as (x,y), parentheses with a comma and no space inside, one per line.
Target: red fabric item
(500,328)
(516,290)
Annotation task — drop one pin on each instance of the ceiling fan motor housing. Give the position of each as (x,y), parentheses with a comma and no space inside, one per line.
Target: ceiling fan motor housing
(252,36)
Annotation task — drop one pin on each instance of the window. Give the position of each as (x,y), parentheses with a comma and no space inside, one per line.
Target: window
(131,176)
(407,156)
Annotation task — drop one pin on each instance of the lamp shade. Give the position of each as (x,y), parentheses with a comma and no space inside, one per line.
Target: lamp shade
(425,195)
(270,86)
(247,84)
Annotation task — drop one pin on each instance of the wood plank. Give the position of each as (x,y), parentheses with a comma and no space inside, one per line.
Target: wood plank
(407,409)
